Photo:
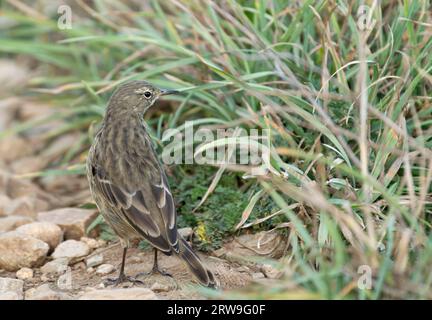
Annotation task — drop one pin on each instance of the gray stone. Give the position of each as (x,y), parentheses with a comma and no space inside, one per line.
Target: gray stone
(105,269)
(186,232)
(12,289)
(95,260)
(71,249)
(44,292)
(57,266)
(73,221)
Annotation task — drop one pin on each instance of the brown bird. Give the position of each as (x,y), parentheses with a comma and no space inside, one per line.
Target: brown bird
(129,184)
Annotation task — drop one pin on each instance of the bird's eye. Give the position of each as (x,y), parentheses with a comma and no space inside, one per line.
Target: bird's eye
(147,94)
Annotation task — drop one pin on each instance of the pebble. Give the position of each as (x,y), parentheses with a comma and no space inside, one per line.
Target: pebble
(44,292)
(71,249)
(258,275)
(12,289)
(57,266)
(158,287)
(73,221)
(19,250)
(105,269)
(95,260)
(24,274)
(46,231)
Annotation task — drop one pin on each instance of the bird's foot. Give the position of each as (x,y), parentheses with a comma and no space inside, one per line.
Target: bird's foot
(154,270)
(121,279)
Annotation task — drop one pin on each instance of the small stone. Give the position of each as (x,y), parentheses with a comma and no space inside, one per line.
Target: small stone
(11,288)
(186,232)
(44,278)
(135,259)
(158,287)
(24,274)
(18,250)
(120,294)
(257,275)
(12,222)
(95,260)
(105,269)
(72,250)
(100,286)
(92,243)
(57,266)
(73,221)
(101,243)
(271,272)
(46,231)
(90,270)
(243,269)
(44,292)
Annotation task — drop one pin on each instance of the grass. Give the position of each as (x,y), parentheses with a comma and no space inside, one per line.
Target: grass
(348,108)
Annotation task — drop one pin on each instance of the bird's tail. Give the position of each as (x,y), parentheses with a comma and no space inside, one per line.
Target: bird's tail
(204,275)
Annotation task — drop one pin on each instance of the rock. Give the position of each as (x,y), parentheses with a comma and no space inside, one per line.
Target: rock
(23,206)
(90,270)
(104,269)
(44,292)
(243,269)
(95,260)
(9,296)
(46,231)
(120,294)
(257,275)
(158,287)
(266,244)
(24,274)
(13,222)
(92,243)
(57,266)
(270,272)
(12,289)
(71,249)
(186,232)
(73,221)
(18,250)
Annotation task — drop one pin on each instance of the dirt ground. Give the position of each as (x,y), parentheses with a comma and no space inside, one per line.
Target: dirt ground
(231,275)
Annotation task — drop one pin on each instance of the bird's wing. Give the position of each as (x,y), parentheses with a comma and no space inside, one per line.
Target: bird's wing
(134,206)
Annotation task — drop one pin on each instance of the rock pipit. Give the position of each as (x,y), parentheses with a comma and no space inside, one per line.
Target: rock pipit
(129,184)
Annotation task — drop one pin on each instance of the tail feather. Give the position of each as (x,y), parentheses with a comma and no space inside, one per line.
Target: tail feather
(204,275)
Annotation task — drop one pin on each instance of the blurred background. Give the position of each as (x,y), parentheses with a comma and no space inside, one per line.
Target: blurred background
(343,88)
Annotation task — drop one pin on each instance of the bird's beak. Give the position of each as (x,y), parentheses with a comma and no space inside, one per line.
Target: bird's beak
(167,92)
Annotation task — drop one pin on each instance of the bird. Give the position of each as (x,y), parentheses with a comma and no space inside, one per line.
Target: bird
(129,184)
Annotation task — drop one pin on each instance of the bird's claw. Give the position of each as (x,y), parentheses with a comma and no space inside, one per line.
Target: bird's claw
(122,278)
(154,271)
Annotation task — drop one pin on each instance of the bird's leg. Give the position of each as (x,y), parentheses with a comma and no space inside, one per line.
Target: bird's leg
(122,277)
(155,268)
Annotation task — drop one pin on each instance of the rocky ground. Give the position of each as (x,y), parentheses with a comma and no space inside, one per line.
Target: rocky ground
(45,252)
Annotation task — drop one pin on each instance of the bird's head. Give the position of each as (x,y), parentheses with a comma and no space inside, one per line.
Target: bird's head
(137,96)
